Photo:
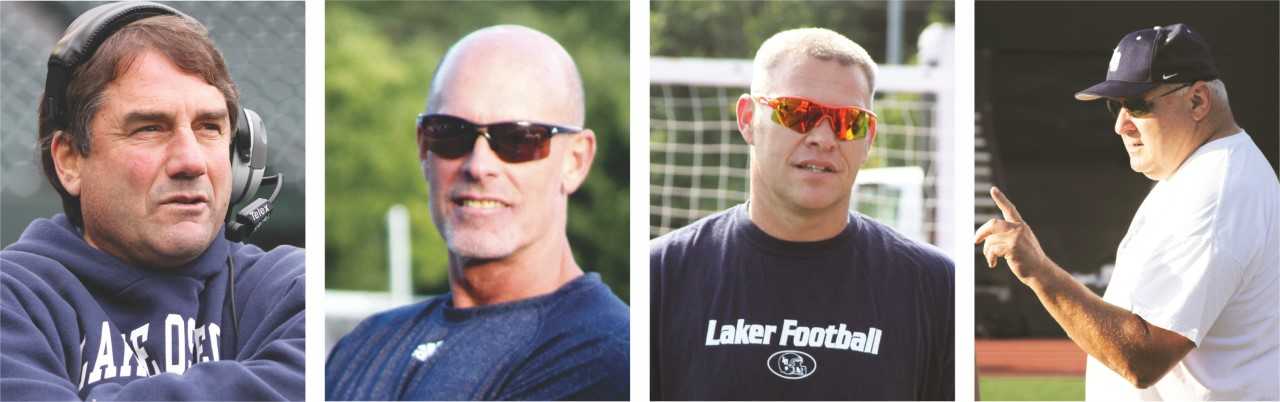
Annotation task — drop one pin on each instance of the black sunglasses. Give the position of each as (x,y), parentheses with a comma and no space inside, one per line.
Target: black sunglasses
(1138,107)
(453,137)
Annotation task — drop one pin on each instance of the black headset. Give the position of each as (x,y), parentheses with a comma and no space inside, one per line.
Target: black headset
(248,143)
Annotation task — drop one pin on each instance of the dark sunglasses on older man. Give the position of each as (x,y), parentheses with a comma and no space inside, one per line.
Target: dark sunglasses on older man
(1138,107)
(801,115)
(453,137)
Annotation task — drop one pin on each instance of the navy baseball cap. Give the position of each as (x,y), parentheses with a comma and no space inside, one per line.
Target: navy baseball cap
(1147,58)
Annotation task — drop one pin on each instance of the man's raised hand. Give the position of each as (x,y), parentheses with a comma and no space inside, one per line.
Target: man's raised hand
(1010,238)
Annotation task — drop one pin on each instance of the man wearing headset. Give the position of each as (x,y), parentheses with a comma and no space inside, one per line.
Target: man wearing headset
(1191,311)
(502,147)
(135,293)
(791,296)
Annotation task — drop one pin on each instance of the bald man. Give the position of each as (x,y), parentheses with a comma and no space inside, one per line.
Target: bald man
(502,147)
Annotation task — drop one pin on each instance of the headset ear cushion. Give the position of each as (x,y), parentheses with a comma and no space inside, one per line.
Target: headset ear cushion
(248,156)
(241,146)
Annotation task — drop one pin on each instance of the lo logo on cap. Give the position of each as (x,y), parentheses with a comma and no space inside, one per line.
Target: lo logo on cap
(1115,60)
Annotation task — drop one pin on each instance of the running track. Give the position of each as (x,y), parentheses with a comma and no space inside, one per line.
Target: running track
(1029,357)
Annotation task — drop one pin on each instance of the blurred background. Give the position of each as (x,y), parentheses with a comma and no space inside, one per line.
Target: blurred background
(701,63)
(381,249)
(262,43)
(1063,165)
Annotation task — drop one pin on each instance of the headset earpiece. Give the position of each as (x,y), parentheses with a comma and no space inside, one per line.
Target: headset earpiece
(248,156)
(248,164)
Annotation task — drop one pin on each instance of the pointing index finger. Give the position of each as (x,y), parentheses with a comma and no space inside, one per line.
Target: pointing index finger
(1010,212)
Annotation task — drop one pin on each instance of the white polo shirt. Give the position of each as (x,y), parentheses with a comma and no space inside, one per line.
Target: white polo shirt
(1202,259)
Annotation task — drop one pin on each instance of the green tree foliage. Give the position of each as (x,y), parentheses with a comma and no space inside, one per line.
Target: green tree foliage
(379,58)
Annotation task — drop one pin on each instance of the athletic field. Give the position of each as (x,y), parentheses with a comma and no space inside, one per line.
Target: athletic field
(1030,370)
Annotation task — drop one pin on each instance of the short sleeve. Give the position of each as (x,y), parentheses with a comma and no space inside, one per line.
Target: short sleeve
(1188,275)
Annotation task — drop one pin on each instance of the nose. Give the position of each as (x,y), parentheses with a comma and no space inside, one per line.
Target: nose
(1124,123)
(482,162)
(186,156)
(822,136)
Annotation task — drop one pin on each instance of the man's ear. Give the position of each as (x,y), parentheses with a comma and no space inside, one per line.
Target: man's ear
(746,110)
(66,161)
(1201,102)
(580,153)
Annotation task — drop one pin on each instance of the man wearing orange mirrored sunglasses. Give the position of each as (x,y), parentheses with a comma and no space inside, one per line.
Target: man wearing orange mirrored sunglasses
(792,295)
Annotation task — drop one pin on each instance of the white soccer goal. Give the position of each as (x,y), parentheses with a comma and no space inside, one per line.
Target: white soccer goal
(698,160)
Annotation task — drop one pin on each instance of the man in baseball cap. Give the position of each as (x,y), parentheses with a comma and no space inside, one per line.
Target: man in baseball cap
(1148,58)
(1191,310)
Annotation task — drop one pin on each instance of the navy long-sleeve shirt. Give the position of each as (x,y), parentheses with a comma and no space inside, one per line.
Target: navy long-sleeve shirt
(569,344)
(77,323)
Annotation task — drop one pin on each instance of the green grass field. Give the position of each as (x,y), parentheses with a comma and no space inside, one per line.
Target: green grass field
(1024,388)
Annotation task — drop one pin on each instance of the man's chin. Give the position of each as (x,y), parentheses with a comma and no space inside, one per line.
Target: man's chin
(481,245)
(818,201)
(1142,167)
(182,243)
(479,250)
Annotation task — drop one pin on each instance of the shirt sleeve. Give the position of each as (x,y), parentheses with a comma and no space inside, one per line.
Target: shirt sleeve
(586,368)
(655,323)
(941,385)
(37,354)
(1188,275)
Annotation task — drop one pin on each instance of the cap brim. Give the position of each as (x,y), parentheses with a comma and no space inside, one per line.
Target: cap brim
(1115,89)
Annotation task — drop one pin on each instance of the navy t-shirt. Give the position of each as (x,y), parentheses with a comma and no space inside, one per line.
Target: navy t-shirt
(738,314)
(570,344)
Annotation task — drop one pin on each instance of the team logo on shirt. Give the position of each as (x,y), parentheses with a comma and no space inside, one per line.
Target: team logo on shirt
(425,350)
(796,335)
(129,354)
(791,364)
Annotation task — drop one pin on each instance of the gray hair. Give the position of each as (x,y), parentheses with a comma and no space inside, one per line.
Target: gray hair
(1218,93)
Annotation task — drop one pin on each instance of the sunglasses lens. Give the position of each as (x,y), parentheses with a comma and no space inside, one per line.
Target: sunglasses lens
(446,136)
(520,142)
(802,115)
(1137,107)
(784,113)
(855,124)
(797,114)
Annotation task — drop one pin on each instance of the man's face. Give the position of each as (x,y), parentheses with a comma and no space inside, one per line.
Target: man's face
(154,187)
(815,170)
(484,207)
(1158,142)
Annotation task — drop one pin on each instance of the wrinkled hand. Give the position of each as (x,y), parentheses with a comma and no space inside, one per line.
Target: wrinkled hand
(1012,239)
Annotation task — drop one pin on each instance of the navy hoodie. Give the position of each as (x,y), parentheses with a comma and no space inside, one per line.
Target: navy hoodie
(78,323)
